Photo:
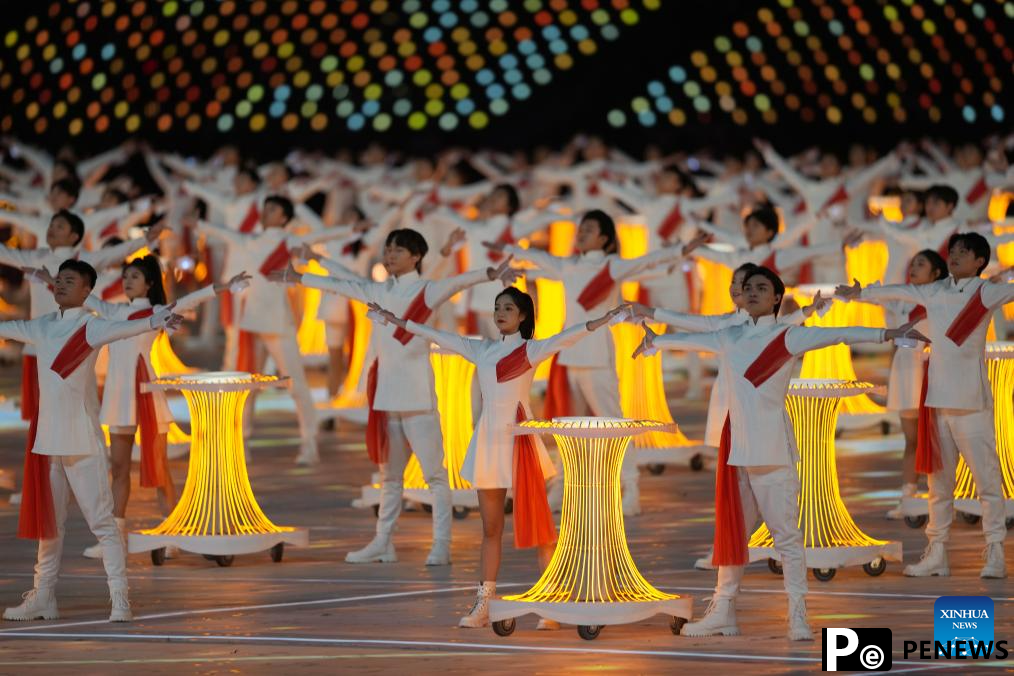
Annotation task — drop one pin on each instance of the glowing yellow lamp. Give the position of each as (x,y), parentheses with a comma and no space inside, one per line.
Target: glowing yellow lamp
(1000,364)
(835,362)
(453,376)
(591,580)
(217,514)
(830,536)
(350,403)
(310,335)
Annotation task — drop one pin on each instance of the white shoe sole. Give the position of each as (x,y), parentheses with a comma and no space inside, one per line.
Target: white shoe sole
(801,637)
(385,558)
(90,555)
(49,615)
(703,633)
(939,572)
(993,576)
(121,616)
(438,562)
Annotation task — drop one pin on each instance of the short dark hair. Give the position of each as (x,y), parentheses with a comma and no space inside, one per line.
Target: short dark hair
(527,307)
(152,271)
(767,217)
(81,268)
(745,267)
(685,178)
(513,201)
(68,185)
(410,239)
(250,173)
(75,222)
(117,194)
(975,243)
(284,203)
(607,227)
(936,262)
(771,276)
(942,192)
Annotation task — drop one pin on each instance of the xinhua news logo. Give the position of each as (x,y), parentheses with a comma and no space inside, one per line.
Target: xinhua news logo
(856,649)
(965,621)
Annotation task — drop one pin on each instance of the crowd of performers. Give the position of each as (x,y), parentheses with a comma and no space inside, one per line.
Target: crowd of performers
(98,247)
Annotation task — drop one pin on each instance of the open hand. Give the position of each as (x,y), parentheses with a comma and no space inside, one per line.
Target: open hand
(640,311)
(504,272)
(41,275)
(647,342)
(699,239)
(846,292)
(906,331)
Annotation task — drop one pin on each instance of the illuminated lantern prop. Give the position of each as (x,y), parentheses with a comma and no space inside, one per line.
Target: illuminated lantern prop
(831,538)
(217,514)
(591,580)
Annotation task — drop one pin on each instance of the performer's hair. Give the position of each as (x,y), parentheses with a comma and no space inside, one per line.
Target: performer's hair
(513,201)
(71,186)
(767,217)
(410,239)
(250,173)
(117,194)
(746,268)
(936,262)
(686,179)
(152,271)
(75,222)
(772,277)
(607,228)
(526,306)
(81,268)
(284,203)
(69,167)
(944,193)
(974,242)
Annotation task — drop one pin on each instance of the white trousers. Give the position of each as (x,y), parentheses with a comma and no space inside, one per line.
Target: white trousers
(284,350)
(771,494)
(596,391)
(972,434)
(414,432)
(86,477)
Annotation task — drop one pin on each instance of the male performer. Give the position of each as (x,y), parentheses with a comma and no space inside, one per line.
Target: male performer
(67,455)
(957,413)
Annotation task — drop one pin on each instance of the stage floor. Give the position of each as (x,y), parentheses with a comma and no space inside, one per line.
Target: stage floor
(313,613)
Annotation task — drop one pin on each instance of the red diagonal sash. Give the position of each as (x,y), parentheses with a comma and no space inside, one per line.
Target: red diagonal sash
(513,365)
(276,260)
(917,314)
(506,237)
(977,191)
(769,263)
(249,222)
(110,230)
(533,521)
(29,387)
(927,445)
(37,518)
(73,353)
(945,246)
(840,195)
(671,222)
(597,289)
(154,471)
(773,357)
(968,319)
(377,446)
(113,290)
(557,403)
(417,312)
(730,529)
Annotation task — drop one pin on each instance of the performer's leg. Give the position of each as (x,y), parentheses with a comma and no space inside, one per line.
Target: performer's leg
(729,577)
(976,436)
(392,474)
(941,483)
(491,504)
(88,478)
(121,445)
(424,436)
(47,567)
(284,349)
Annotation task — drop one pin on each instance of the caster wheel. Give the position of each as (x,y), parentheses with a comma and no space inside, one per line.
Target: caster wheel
(224,561)
(824,574)
(676,625)
(885,428)
(970,519)
(875,567)
(697,463)
(775,566)
(461,512)
(589,632)
(508,506)
(427,508)
(916,521)
(655,470)
(277,551)
(1010,523)
(209,557)
(504,627)
(158,556)
(376,510)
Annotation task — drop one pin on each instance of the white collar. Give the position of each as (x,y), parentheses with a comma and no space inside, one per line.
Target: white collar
(766,320)
(141,301)
(406,278)
(72,313)
(512,340)
(594,255)
(961,285)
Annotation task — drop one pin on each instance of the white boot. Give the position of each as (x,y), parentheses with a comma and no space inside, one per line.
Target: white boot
(996,565)
(380,549)
(121,606)
(478,616)
(38,604)
(95,551)
(719,620)
(308,453)
(704,563)
(799,628)
(555,494)
(907,491)
(933,562)
(440,554)
(631,498)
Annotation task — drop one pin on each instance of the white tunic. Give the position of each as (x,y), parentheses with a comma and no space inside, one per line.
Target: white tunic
(119,398)
(761,431)
(576,272)
(68,404)
(489,460)
(404,372)
(957,373)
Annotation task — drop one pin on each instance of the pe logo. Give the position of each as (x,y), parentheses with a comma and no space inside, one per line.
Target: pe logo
(964,621)
(856,649)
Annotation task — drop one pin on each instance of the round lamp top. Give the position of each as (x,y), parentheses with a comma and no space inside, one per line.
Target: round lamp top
(588,426)
(216,381)
(828,387)
(1000,349)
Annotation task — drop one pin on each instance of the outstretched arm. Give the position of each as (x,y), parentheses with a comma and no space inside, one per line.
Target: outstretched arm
(441,290)
(466,347)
